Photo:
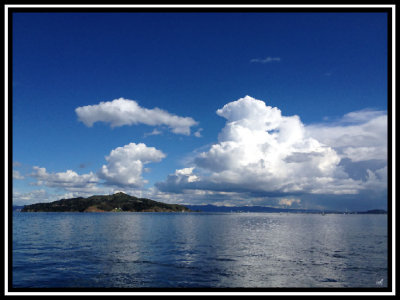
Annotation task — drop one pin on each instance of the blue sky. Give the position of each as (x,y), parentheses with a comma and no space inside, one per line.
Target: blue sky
(212,77)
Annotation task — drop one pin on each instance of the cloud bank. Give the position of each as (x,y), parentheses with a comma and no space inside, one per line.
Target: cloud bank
(69,180)
(262,152)
(359,136)
(261,157)
(124,168)
(120,112)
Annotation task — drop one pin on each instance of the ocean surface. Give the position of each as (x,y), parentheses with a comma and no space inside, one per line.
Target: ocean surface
(198,250)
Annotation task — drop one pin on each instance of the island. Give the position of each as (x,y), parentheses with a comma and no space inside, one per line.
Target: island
(119,202)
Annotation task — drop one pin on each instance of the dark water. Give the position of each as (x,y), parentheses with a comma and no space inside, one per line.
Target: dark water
(198,250)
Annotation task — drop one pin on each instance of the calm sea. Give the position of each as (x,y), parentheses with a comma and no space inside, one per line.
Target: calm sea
(198,250)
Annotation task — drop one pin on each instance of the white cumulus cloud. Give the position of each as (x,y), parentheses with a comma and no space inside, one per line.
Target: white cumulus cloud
(263,152)
(69,180)
(124,169)
(261,149)
(122,111)
(125,164)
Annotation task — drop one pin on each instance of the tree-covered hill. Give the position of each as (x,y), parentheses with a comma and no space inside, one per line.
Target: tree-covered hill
(105,203)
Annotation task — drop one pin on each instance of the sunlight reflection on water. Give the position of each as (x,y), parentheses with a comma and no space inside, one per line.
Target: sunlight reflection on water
(198,250)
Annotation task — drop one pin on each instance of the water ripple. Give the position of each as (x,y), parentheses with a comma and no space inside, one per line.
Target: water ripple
(198,250)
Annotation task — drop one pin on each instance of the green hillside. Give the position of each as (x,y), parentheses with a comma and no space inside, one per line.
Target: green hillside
(118,202)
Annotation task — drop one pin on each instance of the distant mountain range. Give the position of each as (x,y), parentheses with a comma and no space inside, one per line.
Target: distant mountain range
(214,208)
(238,209)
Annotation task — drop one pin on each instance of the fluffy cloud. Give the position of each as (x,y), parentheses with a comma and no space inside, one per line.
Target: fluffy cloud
(125,164)
(69,180)
(359,136)
(124,169)
(122,111)
(260,151)
(360,139)
(35,196)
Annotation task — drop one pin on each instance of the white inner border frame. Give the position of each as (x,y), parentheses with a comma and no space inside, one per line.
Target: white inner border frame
(6,154)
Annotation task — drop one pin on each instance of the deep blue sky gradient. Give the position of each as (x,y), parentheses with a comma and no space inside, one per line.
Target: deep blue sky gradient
(189,64)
